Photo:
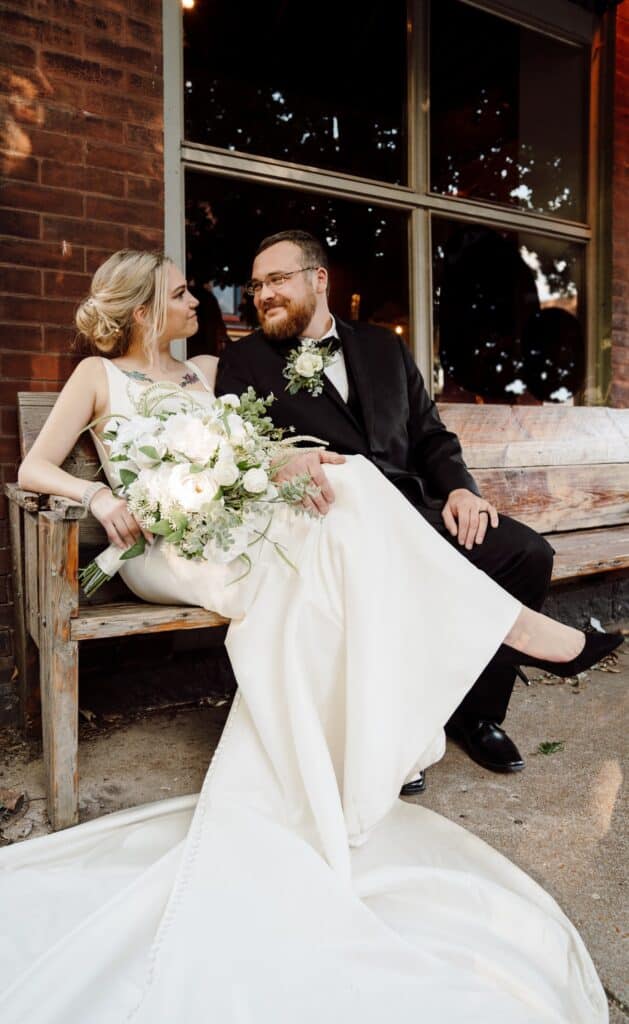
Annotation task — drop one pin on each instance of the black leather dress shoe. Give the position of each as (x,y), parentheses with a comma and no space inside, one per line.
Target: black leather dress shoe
(418,785)
(487,744)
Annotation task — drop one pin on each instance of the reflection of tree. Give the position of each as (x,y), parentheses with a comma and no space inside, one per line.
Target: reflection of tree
(304,96)
(226,220)
(495,337)
(485,141)
(212,335)
(554,278)
(553,354)
(487,295)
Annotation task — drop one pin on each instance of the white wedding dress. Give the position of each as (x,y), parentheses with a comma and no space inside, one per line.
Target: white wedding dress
(297,887)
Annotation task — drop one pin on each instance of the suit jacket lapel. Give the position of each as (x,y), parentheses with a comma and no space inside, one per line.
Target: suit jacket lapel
(356,358)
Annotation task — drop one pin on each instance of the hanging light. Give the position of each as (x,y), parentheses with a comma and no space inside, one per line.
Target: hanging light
(187,4)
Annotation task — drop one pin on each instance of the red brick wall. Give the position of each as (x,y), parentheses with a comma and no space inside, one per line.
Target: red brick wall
(620,272)
(81,120)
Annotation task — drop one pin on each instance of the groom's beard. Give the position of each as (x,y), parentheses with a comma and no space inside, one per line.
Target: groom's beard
(298,315)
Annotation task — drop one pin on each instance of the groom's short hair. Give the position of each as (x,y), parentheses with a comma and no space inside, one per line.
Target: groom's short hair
(313,252)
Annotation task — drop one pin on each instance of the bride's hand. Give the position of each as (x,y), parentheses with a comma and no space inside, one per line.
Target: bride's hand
(309,463)
(113,513)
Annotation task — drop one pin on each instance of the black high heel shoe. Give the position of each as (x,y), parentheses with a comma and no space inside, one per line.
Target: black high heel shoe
(597,646)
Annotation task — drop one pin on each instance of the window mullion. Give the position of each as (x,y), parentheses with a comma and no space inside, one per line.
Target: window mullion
(420,268)
(219,162)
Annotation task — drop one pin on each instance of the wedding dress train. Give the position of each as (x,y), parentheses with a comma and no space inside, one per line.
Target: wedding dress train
(297,886)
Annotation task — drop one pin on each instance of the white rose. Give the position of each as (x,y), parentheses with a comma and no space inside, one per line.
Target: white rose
(192,490)
(225,452)
(255,481)
(225,473)
(189,436)
(129,430)
(236,428)
(141,458)
(154,484)
(308,363)
(232,400)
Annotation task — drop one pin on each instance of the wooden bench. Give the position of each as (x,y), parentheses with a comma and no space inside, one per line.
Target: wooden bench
(564,471)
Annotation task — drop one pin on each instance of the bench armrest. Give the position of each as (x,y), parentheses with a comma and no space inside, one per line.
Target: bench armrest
(33,501)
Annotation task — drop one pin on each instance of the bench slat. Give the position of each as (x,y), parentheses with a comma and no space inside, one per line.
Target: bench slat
(559,498)
(589,551)
(33,409)
(135,617)
(498,435)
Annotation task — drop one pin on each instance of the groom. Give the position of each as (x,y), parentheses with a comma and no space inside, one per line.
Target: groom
(365,396)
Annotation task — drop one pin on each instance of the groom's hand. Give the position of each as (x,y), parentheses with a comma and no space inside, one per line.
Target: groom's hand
(309,463)
(466,517)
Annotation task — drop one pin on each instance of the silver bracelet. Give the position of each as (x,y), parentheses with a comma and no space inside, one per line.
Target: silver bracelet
(90,491)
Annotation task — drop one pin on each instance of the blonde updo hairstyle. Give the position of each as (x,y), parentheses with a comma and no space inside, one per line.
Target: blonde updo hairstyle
(125,282)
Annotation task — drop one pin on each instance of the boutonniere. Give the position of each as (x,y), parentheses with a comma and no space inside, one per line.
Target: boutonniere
(305,365)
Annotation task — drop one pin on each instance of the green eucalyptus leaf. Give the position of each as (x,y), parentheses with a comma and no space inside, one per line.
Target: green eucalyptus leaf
(136,549)
(151,452)
(162,527)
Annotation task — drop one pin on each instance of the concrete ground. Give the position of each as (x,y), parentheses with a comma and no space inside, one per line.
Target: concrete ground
(563,820)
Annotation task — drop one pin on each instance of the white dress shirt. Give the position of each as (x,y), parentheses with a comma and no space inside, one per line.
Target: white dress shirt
(336,371)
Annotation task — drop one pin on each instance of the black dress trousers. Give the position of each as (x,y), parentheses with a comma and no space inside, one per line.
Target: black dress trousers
(521,561)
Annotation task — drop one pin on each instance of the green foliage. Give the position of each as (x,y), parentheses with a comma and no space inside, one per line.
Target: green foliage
(127,477)
(550,747)
(136,549)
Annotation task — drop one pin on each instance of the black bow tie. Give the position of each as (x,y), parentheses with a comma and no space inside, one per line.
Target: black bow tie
(331,342)
(286,345)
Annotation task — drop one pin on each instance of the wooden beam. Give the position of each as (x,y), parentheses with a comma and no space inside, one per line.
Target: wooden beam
(559,498)
(31,561)
(59,601)
(586,552)
(26,655)
(511,436)
(126,619)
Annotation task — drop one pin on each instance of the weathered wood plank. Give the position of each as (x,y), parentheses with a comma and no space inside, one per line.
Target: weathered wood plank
(125,619)
(33,411)
(32,501)
(31,561)
(59,655)
(589,551)
(66,507)
(26,655)
(92,533)
(559,498)
(499,435)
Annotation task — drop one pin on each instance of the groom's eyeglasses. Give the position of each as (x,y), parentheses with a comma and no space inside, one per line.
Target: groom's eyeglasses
(274,281)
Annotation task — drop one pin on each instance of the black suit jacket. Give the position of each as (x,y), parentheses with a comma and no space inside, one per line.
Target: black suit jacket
(399,428)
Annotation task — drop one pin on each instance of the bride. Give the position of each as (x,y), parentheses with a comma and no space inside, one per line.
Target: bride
(295,886)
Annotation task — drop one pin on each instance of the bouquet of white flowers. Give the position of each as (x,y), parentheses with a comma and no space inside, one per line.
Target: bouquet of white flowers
(199,477)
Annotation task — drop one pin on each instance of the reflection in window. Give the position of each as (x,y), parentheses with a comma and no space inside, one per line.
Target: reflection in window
(331,94)
(508,113)
(507,315)
(225,221)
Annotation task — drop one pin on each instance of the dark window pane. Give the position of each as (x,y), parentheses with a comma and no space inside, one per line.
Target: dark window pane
(508,113)
(508,315)
(324,87)
(226,219)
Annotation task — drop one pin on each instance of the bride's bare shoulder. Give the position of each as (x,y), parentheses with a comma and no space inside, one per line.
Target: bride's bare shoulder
(207,366)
